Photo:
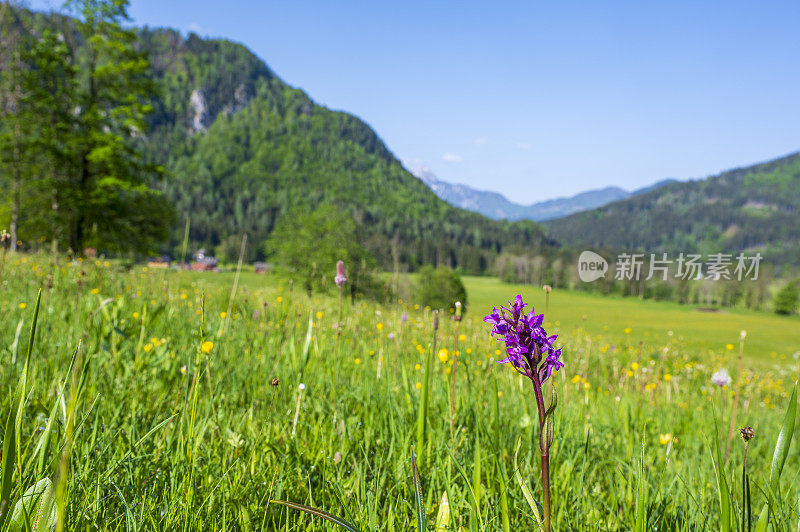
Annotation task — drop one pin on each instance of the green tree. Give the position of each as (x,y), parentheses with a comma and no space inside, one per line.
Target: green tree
(14,37)
(111,202)
(440,288)
(49,126)
(307,246)
(786,299)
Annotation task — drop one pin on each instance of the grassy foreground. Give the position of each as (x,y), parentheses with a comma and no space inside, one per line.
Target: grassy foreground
(167,416)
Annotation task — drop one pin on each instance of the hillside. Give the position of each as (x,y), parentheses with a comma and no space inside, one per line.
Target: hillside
(244,148)
(751,208)
(498,207)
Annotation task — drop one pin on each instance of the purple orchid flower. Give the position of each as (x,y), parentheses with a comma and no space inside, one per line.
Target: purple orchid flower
(530,350)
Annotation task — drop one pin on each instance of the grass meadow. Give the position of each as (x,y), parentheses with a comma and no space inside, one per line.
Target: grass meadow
(169,400)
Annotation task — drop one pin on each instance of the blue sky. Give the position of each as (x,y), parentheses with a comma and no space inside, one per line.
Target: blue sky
(534,99)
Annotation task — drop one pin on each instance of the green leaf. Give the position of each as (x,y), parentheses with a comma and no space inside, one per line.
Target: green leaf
(781,451)
(547,434)
(526,490)
(319,513)
(36,510)
(763,519)
(420,507)
(443,515)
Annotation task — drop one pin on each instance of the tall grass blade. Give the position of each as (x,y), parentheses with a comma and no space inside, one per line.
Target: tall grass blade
(504,511)
(304,355)
(15,344)
(725,513)
(640,524)
(476,469)
(422,412)
(44,440)
(420,506)
(12,442)
(475,506)
(319,513)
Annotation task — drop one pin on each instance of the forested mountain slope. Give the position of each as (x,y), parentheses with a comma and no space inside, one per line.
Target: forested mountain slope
(244,148)
(751,208)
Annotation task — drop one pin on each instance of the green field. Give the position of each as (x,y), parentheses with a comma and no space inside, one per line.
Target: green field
(169,418)
(769,336)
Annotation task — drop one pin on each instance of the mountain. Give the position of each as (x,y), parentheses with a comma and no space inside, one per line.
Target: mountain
(497,206)
(755,208)
(242,149)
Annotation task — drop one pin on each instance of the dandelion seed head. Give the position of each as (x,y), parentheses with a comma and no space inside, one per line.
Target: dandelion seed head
(721,378)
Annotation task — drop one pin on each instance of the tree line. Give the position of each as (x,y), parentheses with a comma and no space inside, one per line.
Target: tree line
(74,98)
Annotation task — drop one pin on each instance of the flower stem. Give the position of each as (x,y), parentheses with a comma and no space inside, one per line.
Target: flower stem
(453,383)
(545,453)
(745,493)
(336,357)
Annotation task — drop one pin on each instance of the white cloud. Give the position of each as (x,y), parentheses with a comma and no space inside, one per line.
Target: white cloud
(523,146)
(480,141)
(451,158)
(195,27)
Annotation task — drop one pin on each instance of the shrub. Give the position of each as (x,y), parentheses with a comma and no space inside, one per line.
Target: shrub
(440,288)
(786,299)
